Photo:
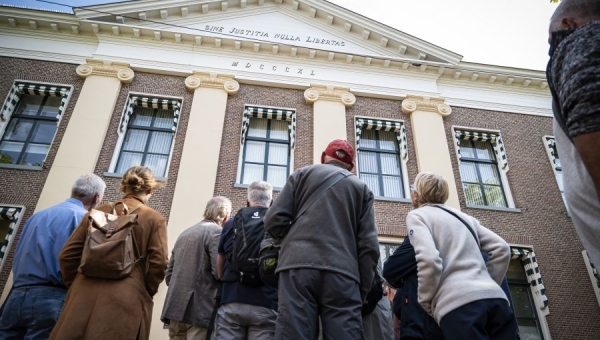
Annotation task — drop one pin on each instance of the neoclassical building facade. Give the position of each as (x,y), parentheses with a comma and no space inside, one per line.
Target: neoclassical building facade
(212,95)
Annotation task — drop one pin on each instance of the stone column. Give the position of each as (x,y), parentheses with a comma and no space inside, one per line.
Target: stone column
(80,146)
(329,115)
(200,157)
(198,166)
(431,146)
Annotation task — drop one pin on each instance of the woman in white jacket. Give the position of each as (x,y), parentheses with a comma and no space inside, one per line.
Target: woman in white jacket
(455,285)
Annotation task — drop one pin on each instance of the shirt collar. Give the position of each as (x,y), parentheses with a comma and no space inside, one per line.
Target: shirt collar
(75,201)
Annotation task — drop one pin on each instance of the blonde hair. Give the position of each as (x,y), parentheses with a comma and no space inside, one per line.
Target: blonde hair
(217,209)
(138,179)
(432,188)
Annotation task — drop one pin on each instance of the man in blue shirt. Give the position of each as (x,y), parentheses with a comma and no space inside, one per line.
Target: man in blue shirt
(248,311)
(36,299)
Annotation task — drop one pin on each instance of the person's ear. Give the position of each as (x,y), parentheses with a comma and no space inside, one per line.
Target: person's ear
(568,24)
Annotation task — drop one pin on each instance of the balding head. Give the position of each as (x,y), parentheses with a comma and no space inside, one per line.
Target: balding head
(571,14)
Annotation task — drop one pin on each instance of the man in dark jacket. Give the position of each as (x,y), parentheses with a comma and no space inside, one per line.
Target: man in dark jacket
(329,248)
(400,270)
(574,79)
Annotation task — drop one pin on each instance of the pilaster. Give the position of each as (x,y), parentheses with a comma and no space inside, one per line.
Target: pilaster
(431,145)
(88,123)
(329,115)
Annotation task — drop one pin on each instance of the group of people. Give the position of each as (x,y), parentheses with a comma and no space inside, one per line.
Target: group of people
(448,275)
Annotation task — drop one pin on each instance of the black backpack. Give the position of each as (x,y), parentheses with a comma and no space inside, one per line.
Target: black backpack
(248,233)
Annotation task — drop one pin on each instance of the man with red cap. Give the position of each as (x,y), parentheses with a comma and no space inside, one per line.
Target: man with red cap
(325,221)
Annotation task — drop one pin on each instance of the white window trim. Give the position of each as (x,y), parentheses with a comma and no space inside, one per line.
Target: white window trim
(403,162)
(541,313)
(503,178)
(121,134)
(238,177)
(11,237)
(551,159)
(4,124)
(595,281)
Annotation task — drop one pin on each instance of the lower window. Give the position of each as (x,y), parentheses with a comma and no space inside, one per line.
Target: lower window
(525,308)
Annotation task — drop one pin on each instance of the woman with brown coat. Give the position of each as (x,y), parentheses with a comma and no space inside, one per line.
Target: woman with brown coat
(116,309)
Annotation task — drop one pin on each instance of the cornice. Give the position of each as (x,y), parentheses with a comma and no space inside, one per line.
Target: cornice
(212,80)
(106,68)
(329,93)
(421,103)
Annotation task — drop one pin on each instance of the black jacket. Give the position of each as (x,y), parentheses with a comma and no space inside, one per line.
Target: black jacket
(400,271)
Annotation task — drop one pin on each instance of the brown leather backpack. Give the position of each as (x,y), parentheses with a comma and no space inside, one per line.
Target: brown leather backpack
(109,251)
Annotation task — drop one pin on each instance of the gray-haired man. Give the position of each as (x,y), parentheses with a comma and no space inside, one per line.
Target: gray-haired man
(35,302)
(248,309)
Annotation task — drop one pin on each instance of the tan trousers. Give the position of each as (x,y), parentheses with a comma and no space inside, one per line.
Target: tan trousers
(183,331)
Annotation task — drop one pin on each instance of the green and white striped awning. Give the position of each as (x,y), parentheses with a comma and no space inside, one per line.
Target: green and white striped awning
(534,277)
(11,214)
(494,138)
(155,103)
(269,113)
(551,145)
(19,89)
(397,127)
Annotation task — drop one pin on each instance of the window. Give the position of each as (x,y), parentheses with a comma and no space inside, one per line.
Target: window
(267,141)
(556,166)
(593,273)
(483,165)
(9,220)
(528,295)
(147,132)
(386,250)
(382,156)
(28,123)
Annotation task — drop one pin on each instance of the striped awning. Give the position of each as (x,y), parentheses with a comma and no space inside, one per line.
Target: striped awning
(155,103)
(19,89)
(493,138)
(534,277)
(397,127)
(269,113)
(551,145)
(11,214)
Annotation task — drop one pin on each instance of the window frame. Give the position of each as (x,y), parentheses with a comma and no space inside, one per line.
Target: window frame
(124,124)
(402,155)
(593,274)
(10,105)
(510,204)
(533,279)
(14,226)
(244,137)
(552,152)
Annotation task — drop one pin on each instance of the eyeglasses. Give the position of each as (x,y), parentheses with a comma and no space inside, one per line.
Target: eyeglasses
(412,187)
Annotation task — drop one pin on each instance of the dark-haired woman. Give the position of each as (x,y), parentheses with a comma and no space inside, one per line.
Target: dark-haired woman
(98,308)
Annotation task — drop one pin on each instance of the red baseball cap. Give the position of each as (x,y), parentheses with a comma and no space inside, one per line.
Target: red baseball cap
(342,151)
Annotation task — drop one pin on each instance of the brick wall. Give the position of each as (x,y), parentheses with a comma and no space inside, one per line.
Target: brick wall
(23,187)
(543,221)
(230,142)
(156,85)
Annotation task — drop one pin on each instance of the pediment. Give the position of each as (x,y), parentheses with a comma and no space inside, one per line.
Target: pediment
(315,25)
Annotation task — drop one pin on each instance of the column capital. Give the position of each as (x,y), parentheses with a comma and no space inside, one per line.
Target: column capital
(414,103)
(212,80)
(106,68)
(330,93)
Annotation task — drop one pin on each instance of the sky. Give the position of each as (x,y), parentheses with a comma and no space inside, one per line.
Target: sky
(511,33)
